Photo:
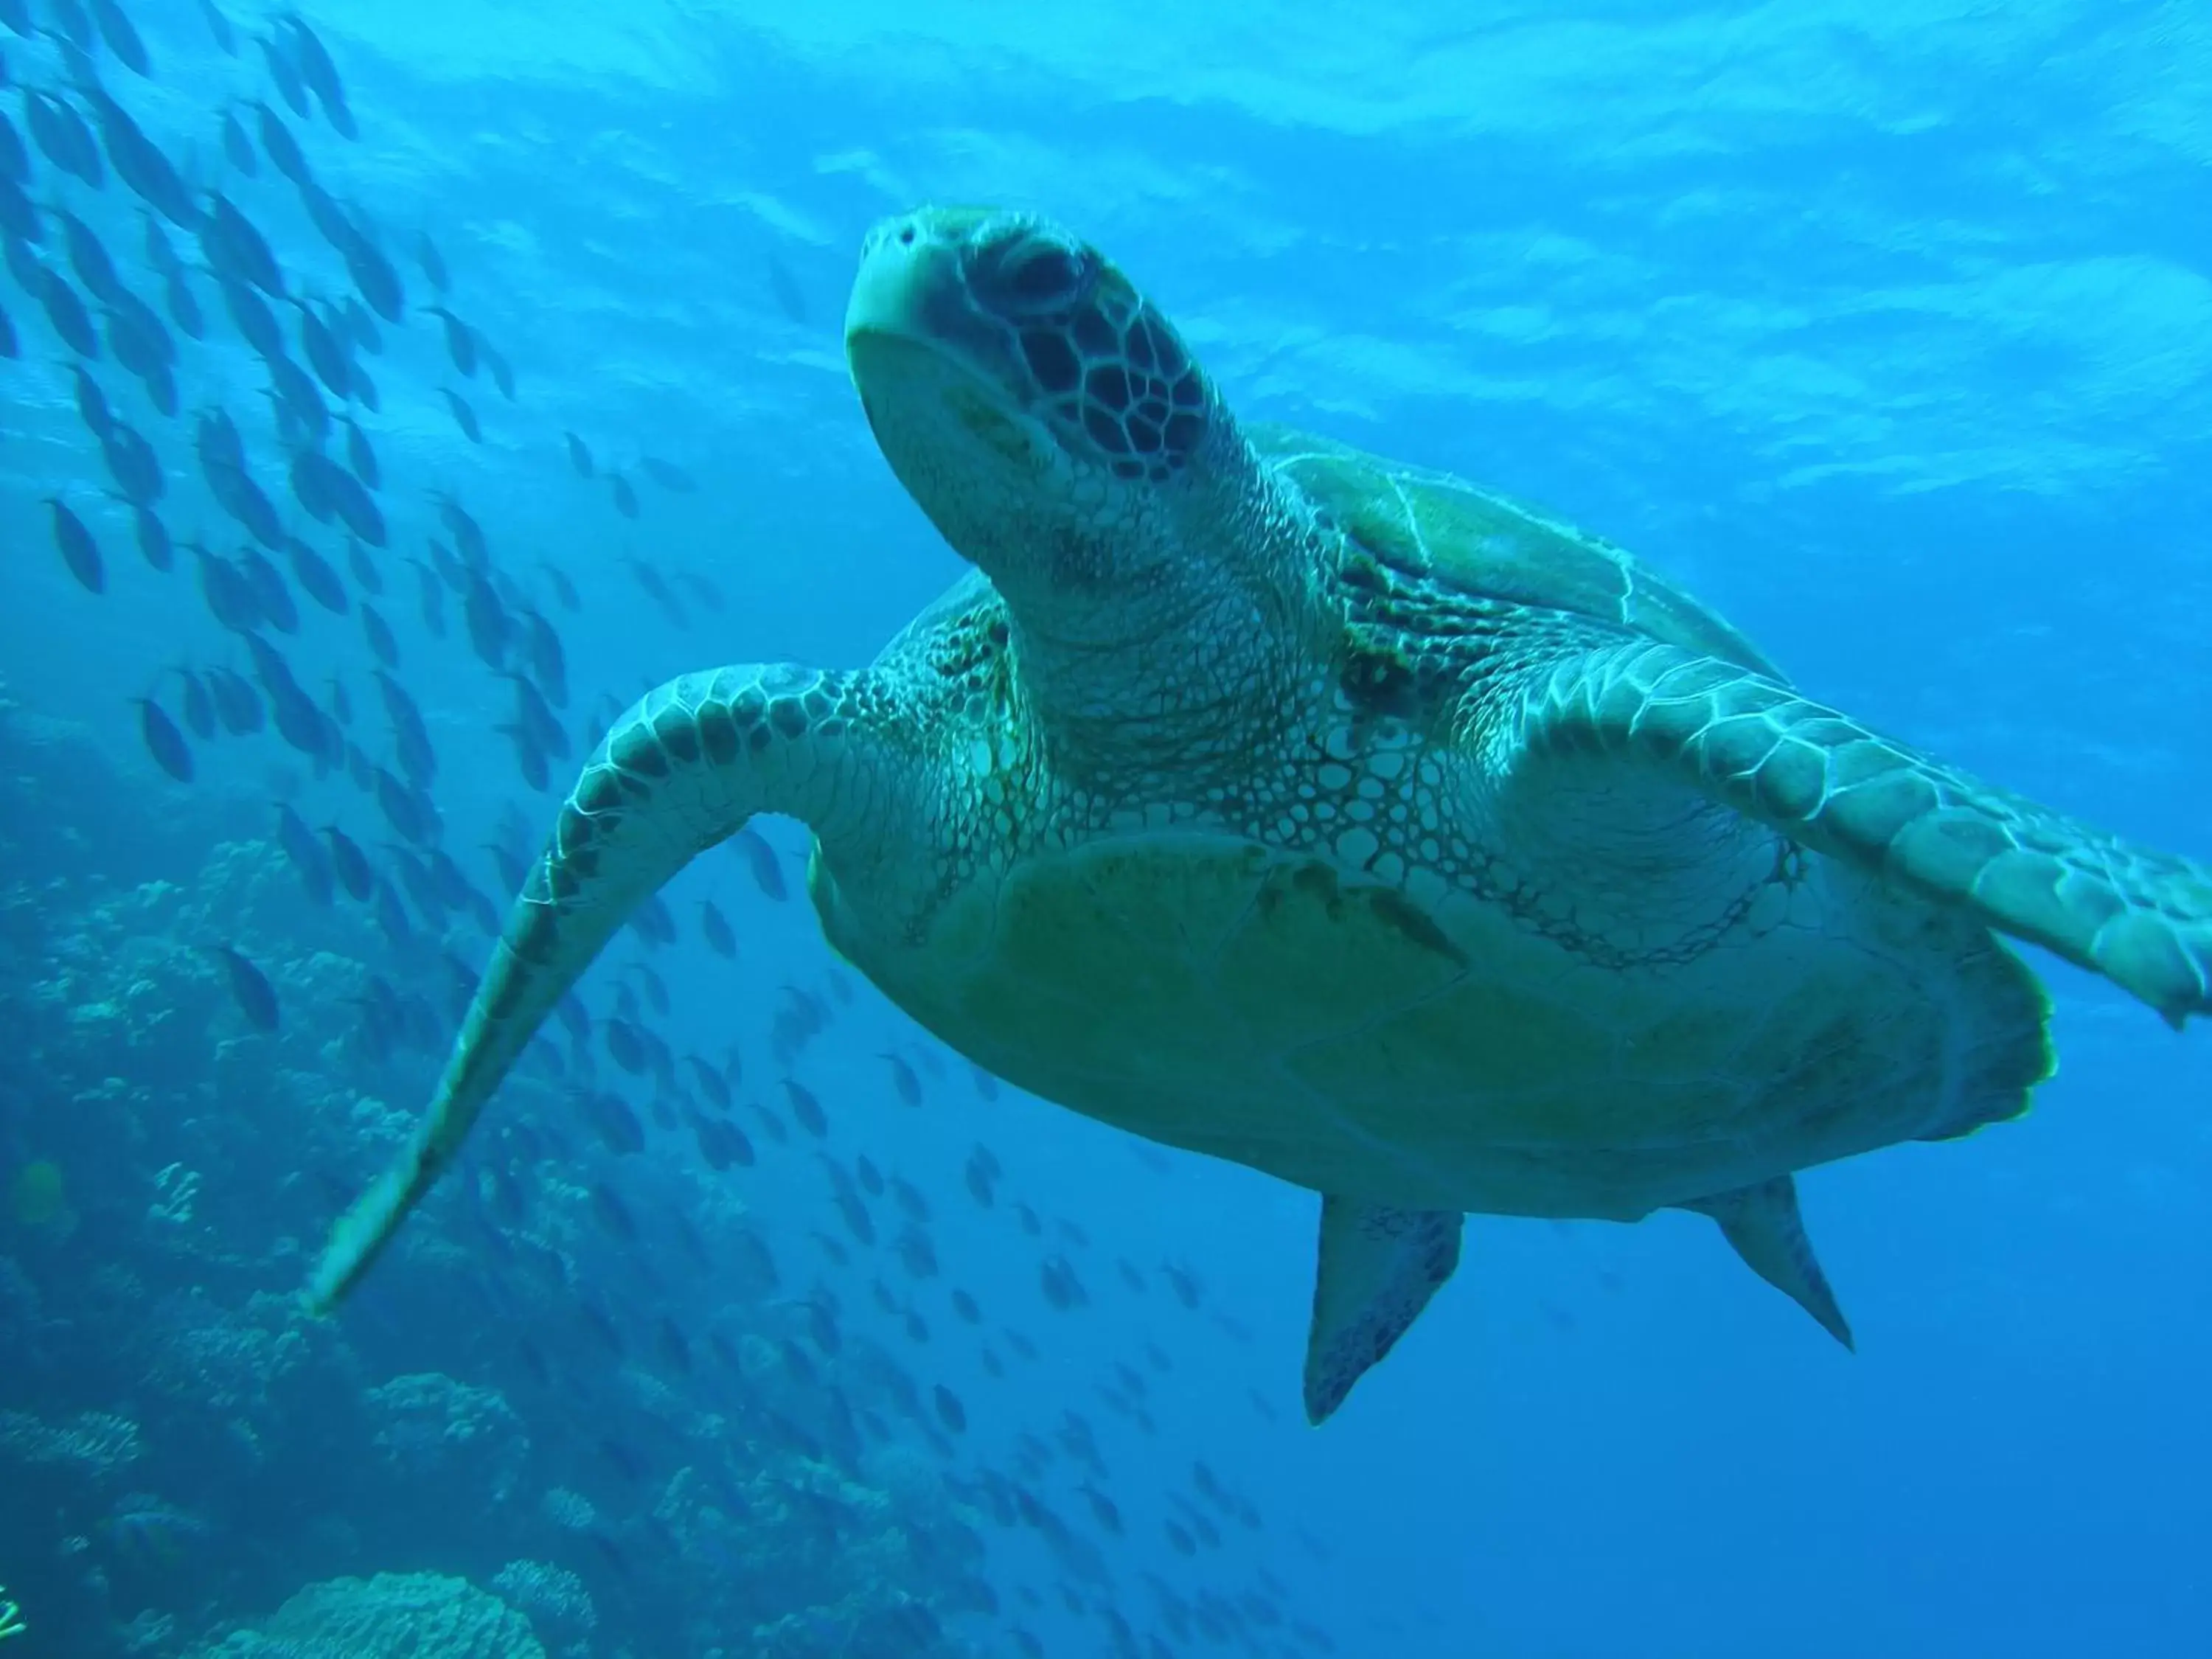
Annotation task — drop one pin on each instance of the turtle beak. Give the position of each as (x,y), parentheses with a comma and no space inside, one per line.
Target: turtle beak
(935,371)
(910,286)
(893,274)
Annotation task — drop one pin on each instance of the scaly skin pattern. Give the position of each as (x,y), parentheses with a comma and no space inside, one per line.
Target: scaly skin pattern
(1278,803)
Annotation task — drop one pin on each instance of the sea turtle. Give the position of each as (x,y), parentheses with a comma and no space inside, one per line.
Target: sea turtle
(1336,818)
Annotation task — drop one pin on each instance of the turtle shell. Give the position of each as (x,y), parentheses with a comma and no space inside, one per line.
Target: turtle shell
(1435,527)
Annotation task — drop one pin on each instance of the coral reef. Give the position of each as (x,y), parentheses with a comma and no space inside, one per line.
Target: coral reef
(93,1444)
(554,1601)
(390,1616)
(467,1439)
(235,1360)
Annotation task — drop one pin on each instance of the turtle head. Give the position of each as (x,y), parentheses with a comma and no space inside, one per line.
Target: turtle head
(1044,414)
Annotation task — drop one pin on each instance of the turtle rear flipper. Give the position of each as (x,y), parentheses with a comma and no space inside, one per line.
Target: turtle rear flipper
(1763,1223)
(2141,919)
(685,767)
(1378,1267)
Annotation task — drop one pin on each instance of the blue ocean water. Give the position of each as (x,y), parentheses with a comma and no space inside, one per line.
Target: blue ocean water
(1885,329)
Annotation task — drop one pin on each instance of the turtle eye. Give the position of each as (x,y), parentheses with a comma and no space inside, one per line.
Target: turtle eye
(1048,276)
(1032,275)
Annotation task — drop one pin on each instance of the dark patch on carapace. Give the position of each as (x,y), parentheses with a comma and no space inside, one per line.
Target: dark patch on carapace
(1416,924)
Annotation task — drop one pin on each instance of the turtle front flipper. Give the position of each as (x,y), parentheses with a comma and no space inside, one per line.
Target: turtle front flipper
(2142,919)
(683,769)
